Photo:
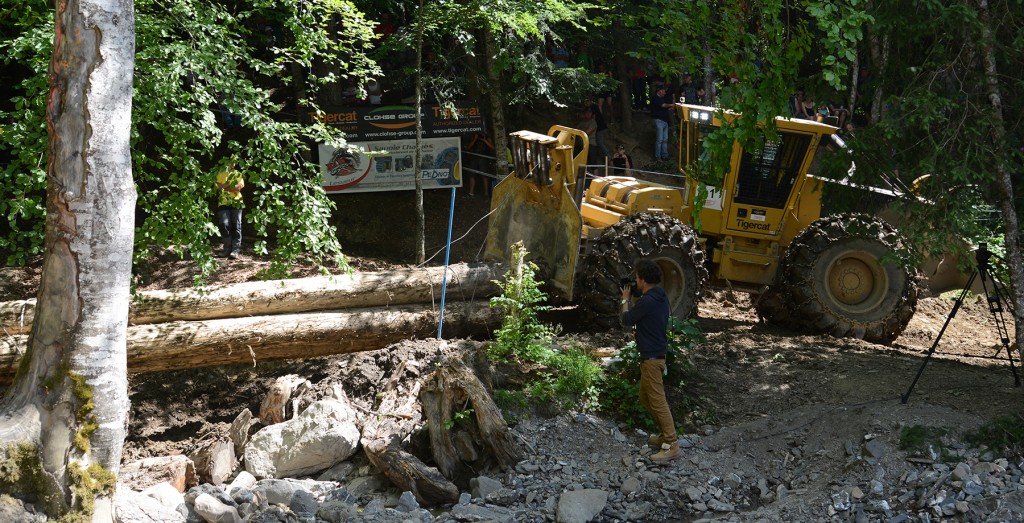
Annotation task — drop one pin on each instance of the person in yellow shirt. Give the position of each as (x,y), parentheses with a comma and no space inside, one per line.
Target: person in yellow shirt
(229,208)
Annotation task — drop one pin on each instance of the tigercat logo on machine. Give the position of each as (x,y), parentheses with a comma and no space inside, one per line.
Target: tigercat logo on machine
(746,226)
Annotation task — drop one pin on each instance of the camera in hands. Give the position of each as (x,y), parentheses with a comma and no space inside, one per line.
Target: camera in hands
(631,283)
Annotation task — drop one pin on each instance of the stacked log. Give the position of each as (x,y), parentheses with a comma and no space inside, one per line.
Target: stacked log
(282,319)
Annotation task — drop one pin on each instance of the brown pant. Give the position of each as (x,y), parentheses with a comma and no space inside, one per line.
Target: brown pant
(652,397)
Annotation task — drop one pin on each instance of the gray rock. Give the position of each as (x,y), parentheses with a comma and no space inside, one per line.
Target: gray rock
(580,506)
(637,511)
(242,480)
(875,448)
(481,486)
(630,485)
(276,491)
(335,511)
(214,461)
(303,503)
(239,431)
(324,435)
(166,494)
(213,511)
(469,512)
(961,472)
(242,495)
(364,485)
(720,506)
(339,472)
(129,507)
(375,506)
(407,503)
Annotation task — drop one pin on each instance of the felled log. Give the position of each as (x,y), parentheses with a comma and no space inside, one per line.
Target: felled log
(187,345)
(452,388)
(398,414)
(358,290)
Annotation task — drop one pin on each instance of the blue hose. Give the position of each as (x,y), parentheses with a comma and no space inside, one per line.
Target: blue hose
(447,256)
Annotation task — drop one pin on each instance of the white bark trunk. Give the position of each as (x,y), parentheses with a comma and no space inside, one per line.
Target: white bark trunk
(84,293)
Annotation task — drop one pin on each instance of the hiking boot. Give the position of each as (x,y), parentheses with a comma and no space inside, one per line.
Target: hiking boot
(655,441)
(667,453)
(233,254)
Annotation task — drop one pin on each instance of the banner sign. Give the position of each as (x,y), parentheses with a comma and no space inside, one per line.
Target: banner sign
(388,165)
(391,122)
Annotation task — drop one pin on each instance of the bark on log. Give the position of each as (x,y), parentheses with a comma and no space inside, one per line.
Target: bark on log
(398,414)
(184,345)
(358,290)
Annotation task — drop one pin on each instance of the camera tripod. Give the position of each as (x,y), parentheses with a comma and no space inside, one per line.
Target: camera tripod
(997,302)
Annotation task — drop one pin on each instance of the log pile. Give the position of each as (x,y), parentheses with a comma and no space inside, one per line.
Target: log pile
(283,319)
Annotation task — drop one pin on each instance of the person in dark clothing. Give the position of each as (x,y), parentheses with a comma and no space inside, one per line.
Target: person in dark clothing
(660,113)
(622,164)
(649,319)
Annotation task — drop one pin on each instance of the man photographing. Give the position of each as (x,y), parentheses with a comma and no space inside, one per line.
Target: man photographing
(649,318)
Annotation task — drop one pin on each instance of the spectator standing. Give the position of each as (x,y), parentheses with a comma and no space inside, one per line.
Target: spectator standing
(638,86)
(589,126)
(622,164)
(649,319)
(660,113)
(229,208)
(560,56)
(480,145)
(602,129)
(583,59)
(689,89)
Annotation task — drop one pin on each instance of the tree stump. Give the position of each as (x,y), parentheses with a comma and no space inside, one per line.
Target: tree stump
(455,388)
(398,415)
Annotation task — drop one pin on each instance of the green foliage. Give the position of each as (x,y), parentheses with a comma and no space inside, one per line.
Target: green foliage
(458,418)
(566,377)
(922,441)
(87,484)
(1003,435)
(194,61)
(21,474)
(521,335)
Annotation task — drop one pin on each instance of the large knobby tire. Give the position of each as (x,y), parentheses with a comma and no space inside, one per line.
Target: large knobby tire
(833,280)
(613,256)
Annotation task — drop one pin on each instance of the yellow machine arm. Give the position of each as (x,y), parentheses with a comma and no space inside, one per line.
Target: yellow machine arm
(538,204)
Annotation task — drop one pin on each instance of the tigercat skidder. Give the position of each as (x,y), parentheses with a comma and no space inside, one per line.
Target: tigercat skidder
(761,231)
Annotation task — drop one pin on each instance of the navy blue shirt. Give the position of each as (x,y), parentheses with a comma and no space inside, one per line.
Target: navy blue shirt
(657,111)
(650,316)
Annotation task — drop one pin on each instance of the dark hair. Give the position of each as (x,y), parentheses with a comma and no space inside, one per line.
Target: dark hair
(648,271)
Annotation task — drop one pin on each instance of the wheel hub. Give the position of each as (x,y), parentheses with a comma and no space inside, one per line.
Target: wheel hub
(851,281)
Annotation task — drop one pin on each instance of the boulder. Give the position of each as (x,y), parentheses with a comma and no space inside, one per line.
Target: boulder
(324,435)
(135,507)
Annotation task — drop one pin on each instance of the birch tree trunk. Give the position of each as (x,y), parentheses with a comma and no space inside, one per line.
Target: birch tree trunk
(71,395)
(497,103)
(421,220)
(1003,183)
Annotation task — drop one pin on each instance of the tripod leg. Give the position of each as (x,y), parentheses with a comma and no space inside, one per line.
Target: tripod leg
(995,301)
(956,307)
